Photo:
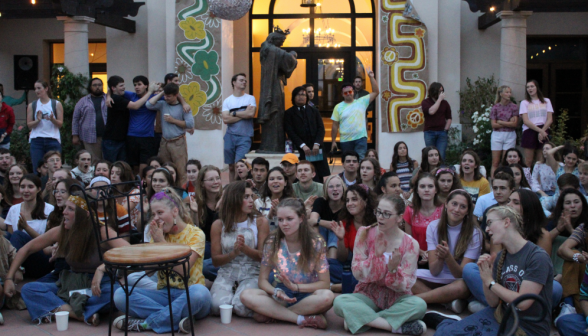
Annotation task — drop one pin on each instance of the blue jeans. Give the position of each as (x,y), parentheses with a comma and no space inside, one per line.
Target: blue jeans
(437,139)
(114,150)
(471,276)
(208,269)
(330,238)
(153,305)
(572,325)
(359,146)
(41,298)
(40,146)
(37,264)
(335,270)
(299,296)
(481,323)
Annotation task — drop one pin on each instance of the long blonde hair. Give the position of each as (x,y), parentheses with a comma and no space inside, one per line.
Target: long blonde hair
(173,200)
(499,91)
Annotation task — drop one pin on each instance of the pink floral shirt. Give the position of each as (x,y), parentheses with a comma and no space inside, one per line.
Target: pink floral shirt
(371,270)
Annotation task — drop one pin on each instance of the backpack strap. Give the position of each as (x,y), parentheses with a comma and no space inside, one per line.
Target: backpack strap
(54,107)
(34,106)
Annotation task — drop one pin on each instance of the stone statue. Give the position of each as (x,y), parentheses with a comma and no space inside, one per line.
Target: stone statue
(277,66)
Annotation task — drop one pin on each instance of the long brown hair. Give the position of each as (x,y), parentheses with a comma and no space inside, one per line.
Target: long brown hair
(126,174)
(232,202)
(416,198)
(56,216)
(8,188)
(477,175)
(368,196)
(200,192)
(469,225)
(396,158)
(539,93)
(177,182)
(48,87)
(78,243)
(39,210)
(286,193)
(399,207)
(377,170)
(308,238)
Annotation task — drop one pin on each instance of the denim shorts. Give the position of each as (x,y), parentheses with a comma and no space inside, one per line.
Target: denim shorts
(235,147)
(297,295)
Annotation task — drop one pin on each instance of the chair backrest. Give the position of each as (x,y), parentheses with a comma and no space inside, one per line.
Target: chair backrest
(105,207)
(511,310)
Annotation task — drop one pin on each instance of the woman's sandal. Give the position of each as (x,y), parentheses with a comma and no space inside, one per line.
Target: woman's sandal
(94,320)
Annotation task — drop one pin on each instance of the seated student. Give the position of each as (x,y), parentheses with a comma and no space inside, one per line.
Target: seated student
(84,171)
(543,178)
(28,220)
(7,254)
(11,192)
(276,188)
(52,160)
(238,238)
(259,172)
(569,165)
(146,175)
(570,323)
(193,166)
(288,164)
(149,308)
(514,156)
(527,205)
(502,187)
(298,255)
(453,241)
(369,172)
(583,171)
(570,211)
(77,244)
(59,174)
(306,188)
(403,165)
(390,184)
(519,177)
(471,179)
(121,172)
(173,170)
(350,162)
(448,180)
(488,200)
(360,203)
(243,169)
(520,268)
(208,192)
(372,153)
(430,162)
(325,210)
(424,209)
(155,162)
(384,263)
(41,168)
(102,168)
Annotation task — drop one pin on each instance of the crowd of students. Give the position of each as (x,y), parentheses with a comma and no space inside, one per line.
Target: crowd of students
(276,244)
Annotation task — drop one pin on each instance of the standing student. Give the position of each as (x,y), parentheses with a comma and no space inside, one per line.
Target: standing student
(543,177)
(403,165)
(349,117)
(537,114)
(385,263)
(424,209)
(437,118)
(84,171)
(369,170)
(309,87)
(77,243)
(471,179)
(238,238)
(299,256)
(238,112)
(89,119)
(448,180)
(453,241)
(150,309)
(520,268)
(6,122)
(504,118)
(174,122)
(44,118)
(277,187)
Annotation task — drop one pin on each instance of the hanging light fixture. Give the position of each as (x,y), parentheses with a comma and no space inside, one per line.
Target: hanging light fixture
(308,3)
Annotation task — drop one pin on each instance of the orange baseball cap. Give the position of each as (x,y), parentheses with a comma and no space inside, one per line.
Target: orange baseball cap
(290,157)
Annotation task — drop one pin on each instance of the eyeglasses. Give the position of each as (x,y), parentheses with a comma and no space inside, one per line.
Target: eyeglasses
(62,192)
(54,160)
(385,215)
(348,93)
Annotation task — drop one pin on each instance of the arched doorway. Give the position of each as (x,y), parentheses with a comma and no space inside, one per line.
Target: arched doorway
(335,41)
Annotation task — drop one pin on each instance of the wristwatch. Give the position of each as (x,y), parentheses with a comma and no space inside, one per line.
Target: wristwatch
(318,220)
(491,284)
(234,113)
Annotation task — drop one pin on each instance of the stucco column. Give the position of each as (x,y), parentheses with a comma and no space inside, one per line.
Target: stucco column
(513,51)
(75,35)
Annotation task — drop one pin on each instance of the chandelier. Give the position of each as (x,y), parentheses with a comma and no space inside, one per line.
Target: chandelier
(324,38)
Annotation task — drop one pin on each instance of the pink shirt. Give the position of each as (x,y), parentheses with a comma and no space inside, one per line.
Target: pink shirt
(419,224)
(536,111)
(504,113)
(371,270)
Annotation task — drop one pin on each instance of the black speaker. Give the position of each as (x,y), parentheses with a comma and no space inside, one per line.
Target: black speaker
(26,71)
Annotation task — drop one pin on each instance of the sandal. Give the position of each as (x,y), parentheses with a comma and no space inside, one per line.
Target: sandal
(94,320)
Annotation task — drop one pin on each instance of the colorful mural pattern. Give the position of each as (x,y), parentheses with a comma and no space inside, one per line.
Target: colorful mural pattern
(404,74)
(198,62)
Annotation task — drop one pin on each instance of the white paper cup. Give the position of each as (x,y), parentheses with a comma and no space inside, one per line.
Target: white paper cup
(62,320)
(226,312)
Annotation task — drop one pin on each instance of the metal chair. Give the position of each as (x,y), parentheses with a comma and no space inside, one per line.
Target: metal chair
(512,310)
(160,257)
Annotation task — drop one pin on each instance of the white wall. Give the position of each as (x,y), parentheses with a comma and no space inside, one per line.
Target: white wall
(31,37)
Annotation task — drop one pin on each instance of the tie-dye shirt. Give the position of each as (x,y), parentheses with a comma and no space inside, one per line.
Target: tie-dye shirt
(351,118)
(287,262)
(536,111)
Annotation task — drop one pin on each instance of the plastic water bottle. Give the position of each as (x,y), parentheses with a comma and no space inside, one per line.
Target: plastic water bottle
(289,148)
(347,285)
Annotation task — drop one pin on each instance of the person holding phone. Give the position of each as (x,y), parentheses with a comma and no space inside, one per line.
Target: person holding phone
(437,118)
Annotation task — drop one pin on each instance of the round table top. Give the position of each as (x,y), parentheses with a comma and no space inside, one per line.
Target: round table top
(147,253)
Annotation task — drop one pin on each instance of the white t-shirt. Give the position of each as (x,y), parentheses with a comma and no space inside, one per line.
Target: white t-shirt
(38,225)
(243,127)
(536,111)
(45,129)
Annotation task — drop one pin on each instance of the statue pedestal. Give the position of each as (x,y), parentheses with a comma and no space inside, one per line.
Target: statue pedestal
(273,159)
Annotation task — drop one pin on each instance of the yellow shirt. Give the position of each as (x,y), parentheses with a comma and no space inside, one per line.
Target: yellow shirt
(195,238)
(476,188)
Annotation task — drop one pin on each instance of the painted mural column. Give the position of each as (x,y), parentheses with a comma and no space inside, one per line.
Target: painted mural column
(513,51)
(75,35)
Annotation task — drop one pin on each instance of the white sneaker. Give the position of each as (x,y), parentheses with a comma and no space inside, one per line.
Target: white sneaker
(566,309)
(456,306)
(475,306)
